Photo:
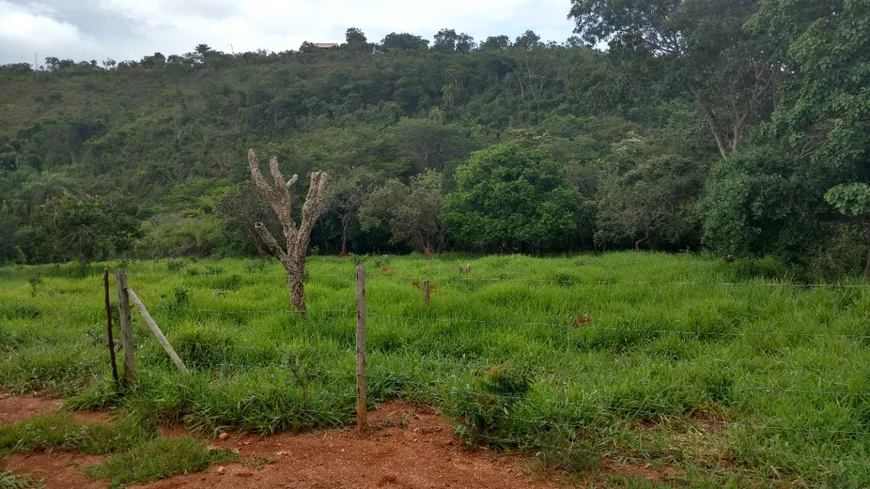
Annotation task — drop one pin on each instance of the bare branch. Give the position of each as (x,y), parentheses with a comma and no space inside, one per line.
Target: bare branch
(270,241)
(255,172)
(312,209)
(714,125)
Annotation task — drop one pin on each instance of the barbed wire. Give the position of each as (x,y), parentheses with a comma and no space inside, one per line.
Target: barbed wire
(351,277)
(569,323)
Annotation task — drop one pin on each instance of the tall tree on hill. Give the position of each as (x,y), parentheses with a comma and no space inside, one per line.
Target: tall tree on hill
(355,40)
(698,49)
(403,42)
(292,256)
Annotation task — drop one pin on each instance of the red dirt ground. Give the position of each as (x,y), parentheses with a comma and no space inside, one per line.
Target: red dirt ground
(16,408)
(407,447)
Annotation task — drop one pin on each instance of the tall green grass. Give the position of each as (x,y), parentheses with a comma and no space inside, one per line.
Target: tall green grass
(685,360)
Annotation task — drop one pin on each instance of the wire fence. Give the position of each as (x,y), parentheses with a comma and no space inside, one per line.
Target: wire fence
(556,414)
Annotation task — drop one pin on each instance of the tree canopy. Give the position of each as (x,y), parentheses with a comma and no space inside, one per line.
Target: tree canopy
(715,123)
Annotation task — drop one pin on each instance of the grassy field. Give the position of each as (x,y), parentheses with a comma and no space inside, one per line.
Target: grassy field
(678,361)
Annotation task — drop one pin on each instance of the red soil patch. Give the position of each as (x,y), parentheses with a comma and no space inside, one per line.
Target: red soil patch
(407,447)
(58,469)
(423,453)
(17,408)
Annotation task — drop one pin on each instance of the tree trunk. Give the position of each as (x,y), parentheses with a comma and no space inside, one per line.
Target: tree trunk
(713,124)
(345,223)
(638,242)
(296,285)
(866,225)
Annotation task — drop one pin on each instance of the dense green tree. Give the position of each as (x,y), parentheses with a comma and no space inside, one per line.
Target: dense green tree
(355,40)
(854,201)
(433,145)
(445,41)
(403,42)
(412,211)
(84,227)
(527,41)
(648,196)
(825,107)
(512,196)
(496,43)
(699,50)
(346,195)
(758,201)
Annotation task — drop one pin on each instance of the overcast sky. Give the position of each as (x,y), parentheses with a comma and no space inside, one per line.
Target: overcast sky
(130,29)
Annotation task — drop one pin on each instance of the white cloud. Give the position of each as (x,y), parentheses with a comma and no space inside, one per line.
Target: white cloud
(176,26)
(34,28)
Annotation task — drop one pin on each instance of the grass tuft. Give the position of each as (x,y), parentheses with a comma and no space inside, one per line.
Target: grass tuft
(158,459)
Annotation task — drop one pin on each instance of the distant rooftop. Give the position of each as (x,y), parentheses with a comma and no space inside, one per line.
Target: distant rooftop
(325,45)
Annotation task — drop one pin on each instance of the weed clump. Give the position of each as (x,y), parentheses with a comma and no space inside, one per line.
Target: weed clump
(157,459)
(486,414)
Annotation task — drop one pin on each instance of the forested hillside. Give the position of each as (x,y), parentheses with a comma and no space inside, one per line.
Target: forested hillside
(713,124)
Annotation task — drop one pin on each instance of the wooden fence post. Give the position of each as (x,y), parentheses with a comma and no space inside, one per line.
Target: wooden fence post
(426,291)
(126,329)
(109,340)
(156,330)
(361,411)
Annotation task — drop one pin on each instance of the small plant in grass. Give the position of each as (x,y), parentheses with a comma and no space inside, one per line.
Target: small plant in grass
(8,480)
(486,414)
(382,261)
(174,265)
(179,302)
(35,281)
(358,259)
(256,265)
(230,282)
(158,459)
(204,348)
(213,270)
(398,418)
(302,363)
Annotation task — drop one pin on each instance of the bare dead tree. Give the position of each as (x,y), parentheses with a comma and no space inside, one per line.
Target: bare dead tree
(280,196)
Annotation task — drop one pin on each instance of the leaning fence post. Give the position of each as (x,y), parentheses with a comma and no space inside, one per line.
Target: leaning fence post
(361,411)
(161,338)
(126,329)
(426,291)
(109,340)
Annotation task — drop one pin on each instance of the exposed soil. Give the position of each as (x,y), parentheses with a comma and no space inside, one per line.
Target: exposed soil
(56,469)
(407,447)
(17,408)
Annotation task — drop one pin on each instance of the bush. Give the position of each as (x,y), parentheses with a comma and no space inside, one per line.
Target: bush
(487,413)
(762,201)
(175,265)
